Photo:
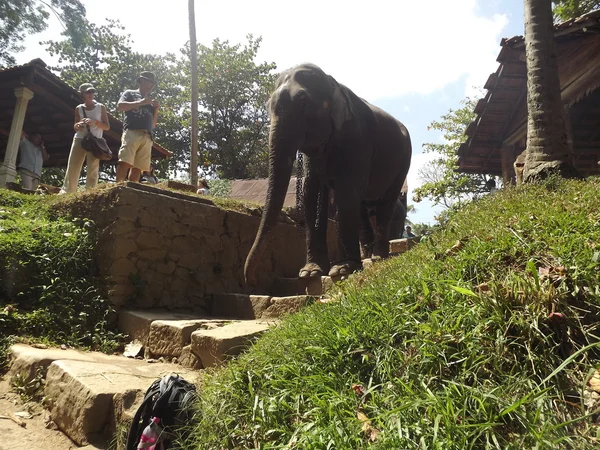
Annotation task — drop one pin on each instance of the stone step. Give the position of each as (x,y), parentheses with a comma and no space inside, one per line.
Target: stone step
(216,346)
(283,287)
(242,306)
(89,393)
(398,246)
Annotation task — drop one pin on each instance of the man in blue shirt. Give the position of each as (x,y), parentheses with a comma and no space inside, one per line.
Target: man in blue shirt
(32,154)
(141,114)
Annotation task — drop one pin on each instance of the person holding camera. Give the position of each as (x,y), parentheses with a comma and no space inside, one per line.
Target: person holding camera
(141,114)
(88,115)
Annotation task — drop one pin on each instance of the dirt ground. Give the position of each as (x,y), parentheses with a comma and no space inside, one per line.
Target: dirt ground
(35,435)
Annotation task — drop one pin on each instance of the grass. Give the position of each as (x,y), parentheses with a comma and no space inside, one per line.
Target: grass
(50,290)
(483,336)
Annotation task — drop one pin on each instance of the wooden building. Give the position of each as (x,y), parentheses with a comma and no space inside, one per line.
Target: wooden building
(499,132)
(34,99)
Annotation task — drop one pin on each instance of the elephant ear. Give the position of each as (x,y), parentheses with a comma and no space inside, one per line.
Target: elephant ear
(340,108)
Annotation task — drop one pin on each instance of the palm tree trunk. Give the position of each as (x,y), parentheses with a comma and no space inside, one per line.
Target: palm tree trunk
(548,147)
(194,68)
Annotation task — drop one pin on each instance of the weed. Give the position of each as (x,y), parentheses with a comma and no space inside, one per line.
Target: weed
(30,390)
(50,286)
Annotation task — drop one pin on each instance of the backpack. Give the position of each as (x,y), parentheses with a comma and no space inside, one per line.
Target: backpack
(170,398)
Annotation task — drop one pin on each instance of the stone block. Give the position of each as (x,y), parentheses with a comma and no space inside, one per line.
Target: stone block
(317,286)
(281,306)
(136,323)
(122,267)
(398,245)
(153,254)
(150,239)
(213,347)
(86,399)
(124,249)
(26,360)
(239,306)
(283,287)
(168,337)
(188,359)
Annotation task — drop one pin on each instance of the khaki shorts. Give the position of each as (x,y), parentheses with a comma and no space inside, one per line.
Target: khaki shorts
(136,149)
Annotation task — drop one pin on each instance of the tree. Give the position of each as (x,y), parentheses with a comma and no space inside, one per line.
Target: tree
(21,17)
(569,9)
(548,148)
(233,118)
(194,104)
(443,184)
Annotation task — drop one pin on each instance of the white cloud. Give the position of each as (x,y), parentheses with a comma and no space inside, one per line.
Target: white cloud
(379,48)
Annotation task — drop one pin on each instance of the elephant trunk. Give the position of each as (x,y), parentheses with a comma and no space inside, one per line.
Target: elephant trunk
(282,153)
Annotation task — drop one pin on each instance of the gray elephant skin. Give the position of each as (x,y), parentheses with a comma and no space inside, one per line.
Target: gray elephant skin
(350,146)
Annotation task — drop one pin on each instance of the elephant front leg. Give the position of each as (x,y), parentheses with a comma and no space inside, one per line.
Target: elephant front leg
(349,210)
(316,200)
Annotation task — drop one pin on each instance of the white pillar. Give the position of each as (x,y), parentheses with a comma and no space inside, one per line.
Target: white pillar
(8,170)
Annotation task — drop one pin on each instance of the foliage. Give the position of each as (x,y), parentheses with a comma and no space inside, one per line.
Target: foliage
(483,336)
(233,117)
(422,229)
(21,17)
(32,389)
(564,10)
(51,290)
(220,187)
(442,183)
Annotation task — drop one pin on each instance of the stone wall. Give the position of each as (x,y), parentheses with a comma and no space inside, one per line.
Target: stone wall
(158,248)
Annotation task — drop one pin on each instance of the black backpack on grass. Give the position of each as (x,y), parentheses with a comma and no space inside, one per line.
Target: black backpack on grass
(171,399)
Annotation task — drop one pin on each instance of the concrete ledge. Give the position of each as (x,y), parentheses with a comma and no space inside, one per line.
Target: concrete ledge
(214,347)
(136,323)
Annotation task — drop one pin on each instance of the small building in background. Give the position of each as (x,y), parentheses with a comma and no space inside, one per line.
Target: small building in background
(498,134)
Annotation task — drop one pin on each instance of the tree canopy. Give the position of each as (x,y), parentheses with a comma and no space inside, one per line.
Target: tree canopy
(21,17)
(569,9)
(443,184)
(233,118)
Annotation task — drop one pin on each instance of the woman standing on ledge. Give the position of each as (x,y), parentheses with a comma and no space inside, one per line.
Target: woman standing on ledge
(96,118)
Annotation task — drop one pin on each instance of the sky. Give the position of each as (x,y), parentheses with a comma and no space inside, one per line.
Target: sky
(414,59)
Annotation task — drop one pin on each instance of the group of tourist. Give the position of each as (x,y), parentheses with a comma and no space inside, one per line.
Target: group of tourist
(141,114)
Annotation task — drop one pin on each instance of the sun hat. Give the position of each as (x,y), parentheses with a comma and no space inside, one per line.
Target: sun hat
(86,87)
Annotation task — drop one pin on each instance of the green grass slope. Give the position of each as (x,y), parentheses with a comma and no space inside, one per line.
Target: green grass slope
(483,336)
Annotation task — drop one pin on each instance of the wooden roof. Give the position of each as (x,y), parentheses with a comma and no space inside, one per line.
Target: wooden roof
(256,191)
(502,113)
(50,112)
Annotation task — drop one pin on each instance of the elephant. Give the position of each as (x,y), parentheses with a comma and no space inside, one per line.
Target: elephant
(348,145)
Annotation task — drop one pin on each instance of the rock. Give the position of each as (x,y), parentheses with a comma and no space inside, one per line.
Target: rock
(168,337)
(134,349)
(239,306)
(399,246)
(281,306)
(87,399)
(189,359)
(213,347)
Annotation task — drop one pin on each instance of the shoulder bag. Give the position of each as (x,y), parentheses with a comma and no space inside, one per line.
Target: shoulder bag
(96,145)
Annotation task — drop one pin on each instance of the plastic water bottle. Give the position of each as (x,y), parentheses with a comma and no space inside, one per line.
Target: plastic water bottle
(150,435)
